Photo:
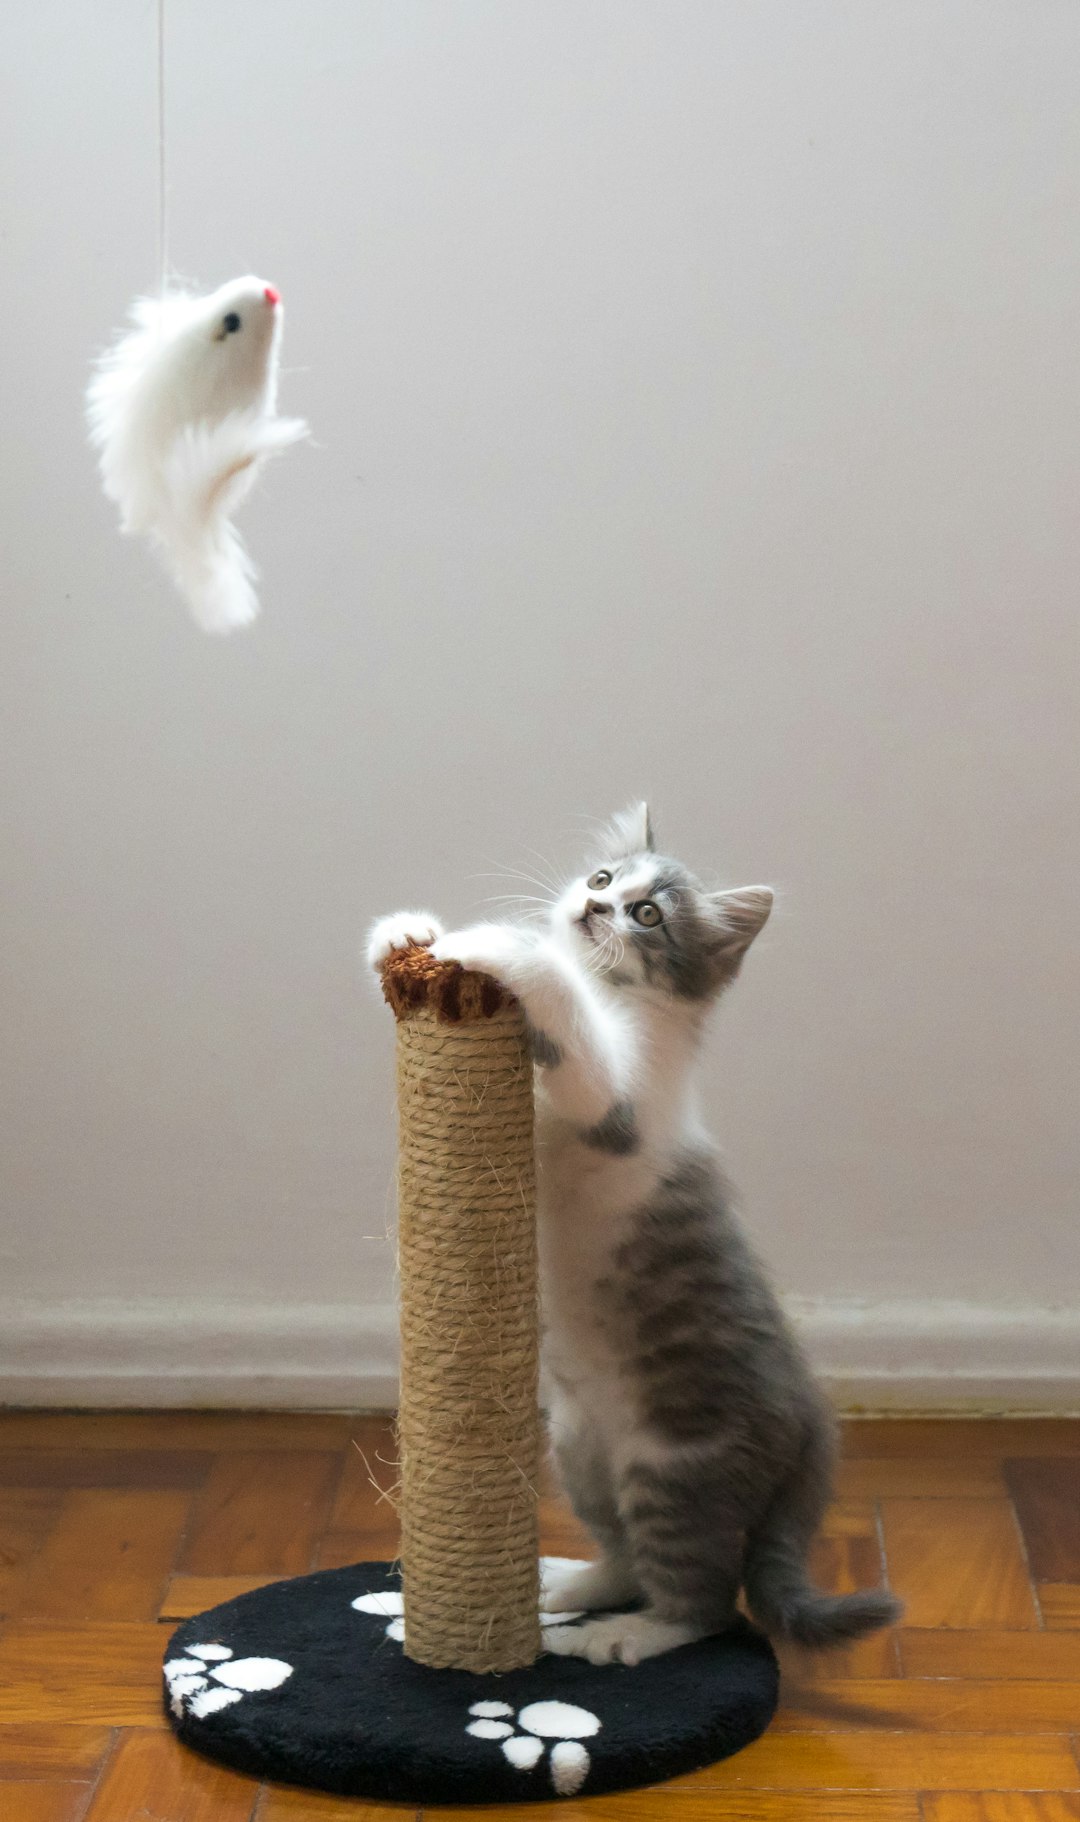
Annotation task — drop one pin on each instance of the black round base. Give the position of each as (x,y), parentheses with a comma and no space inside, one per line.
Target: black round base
(306,1682)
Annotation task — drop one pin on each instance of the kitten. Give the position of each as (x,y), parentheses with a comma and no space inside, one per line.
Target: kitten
(686,1424)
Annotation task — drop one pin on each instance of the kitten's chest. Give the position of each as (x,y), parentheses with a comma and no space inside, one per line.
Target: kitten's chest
(583,1218)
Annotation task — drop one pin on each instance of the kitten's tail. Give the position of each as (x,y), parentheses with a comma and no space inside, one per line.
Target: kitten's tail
(788,1606)
(779,1592)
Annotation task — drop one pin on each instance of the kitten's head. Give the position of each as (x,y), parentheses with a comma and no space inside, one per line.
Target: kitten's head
(642,920)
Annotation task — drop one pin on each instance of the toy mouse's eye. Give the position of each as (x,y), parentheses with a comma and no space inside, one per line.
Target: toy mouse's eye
(647,914)
(230,323)
(599,881)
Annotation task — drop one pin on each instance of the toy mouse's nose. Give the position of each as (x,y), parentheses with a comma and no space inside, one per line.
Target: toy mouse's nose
(272,294)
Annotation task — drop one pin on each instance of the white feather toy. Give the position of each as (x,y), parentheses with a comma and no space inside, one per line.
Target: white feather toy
(184,413)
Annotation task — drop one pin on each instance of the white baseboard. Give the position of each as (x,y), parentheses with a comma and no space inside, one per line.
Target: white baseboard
(168,1352)
(912,1354)
(903,1354)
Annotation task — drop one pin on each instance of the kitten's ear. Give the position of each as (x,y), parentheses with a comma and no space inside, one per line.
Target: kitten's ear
(739,917)
(630,832)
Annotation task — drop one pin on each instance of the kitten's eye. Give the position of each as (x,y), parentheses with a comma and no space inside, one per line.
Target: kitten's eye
(648,914)
(599,881)
(230,323)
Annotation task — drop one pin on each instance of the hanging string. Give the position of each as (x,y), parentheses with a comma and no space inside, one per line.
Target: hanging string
(163,220)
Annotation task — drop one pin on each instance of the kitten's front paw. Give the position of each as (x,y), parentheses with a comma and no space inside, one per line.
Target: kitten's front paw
(397,931)
(625,1638)
(495,949)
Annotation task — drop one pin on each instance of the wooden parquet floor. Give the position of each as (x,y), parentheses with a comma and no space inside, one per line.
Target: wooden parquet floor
(114,1526)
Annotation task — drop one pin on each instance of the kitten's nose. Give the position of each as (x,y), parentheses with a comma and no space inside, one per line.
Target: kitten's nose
(597,905)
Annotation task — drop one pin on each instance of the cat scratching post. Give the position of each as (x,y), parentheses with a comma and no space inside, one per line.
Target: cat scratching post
(468,1426)
(430,1684)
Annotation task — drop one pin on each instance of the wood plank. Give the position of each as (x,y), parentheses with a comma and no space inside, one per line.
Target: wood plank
(190,1594)
(153,1431)
(281,1805)
(990,1654)
(874,1657)
(150,1775)
(958,1562)
(103,1675)
(1001,1806)
(850,1518)
(103,1468)
(1046,1495)
(561,1534)
(872,1760)
(951,1705)
(840,1563)
(991,1438)
(260,1513)
(1060,1605)
(919,1477)
(364,1522)
(41,1802)
(26,1516)
(369,1473)
(668,1803)
(62,1752)
(107,1556)
(340,1548)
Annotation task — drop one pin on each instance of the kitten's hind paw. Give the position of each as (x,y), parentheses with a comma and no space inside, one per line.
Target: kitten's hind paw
(397,931)
(622,1638)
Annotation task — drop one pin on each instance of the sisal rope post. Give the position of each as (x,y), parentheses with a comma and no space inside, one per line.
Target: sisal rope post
(468,1424)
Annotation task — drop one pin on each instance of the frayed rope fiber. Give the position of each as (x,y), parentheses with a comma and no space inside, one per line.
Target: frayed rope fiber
(468,1425)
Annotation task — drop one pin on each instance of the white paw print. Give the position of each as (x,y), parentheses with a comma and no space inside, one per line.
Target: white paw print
(391,1604)
(209,1678)
(563,1722)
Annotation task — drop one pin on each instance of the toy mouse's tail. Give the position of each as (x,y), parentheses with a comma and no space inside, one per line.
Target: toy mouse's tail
(779,1592)
(209,471)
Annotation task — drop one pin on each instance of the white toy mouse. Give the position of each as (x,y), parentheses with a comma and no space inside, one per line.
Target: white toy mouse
(184,412)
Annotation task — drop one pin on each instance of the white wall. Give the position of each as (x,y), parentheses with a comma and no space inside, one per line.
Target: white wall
(696,399)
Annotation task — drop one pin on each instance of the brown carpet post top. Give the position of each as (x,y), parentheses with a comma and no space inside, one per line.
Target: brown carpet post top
(411,978)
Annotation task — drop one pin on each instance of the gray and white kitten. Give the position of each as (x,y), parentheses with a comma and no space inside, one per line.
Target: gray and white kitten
(689,1432)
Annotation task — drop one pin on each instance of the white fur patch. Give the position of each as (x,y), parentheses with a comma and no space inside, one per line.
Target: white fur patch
(554,1569)
(396,932)
(551,1565)
(212,1653)
(491,1711)
(489,1730)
